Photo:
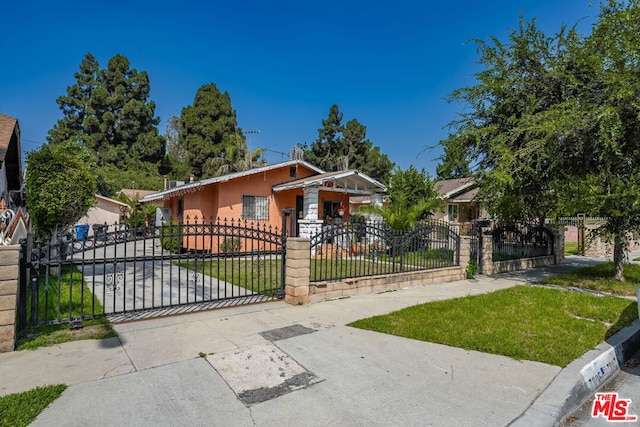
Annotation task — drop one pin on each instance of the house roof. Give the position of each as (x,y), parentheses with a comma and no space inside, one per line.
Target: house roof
(112,201)
(448,188)
(196,185)
(467,196)
(351,181)
(134,194)
(8,125)
(10,155)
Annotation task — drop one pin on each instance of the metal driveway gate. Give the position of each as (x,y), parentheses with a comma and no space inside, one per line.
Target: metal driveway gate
(128,273)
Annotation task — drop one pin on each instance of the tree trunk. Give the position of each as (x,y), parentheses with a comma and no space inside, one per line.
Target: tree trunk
(619,257)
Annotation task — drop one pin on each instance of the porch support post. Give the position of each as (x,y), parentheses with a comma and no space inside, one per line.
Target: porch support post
(310,225)
(311,200)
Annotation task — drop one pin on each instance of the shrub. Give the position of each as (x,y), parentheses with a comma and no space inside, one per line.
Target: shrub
(472,269)
(230,244)
(171,237)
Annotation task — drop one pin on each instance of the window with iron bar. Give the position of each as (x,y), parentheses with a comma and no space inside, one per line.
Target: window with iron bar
(255,208)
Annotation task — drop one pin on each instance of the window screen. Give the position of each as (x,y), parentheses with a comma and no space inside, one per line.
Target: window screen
(255,208)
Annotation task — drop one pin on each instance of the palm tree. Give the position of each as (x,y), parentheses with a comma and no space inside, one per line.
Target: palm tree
(412,196)
(235,158)
(400,215)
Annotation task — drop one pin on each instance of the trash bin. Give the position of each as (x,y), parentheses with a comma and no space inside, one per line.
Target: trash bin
(99,231)
(82,231)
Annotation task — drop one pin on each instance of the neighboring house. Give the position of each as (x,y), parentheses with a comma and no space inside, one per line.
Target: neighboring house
(10,161)
(261,195)
(105,211)
(458,195)
(134,195)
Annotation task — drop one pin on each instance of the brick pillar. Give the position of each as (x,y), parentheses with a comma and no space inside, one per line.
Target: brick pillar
(487,254)
(297,270)
(9,275)
(558,244)
(465,253)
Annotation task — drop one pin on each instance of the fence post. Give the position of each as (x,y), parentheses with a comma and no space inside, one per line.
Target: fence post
(298,270)
(487,254)
(558,244)
(465,253)
(9,280)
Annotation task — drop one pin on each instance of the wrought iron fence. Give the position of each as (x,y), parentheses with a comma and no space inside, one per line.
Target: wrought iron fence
(516,241)
(366,248)
(124,272)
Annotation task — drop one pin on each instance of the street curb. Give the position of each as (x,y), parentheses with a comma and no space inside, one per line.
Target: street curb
(580,379)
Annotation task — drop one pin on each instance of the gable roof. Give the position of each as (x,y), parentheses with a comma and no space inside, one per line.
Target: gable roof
(448,188)
(353,181)
(10,155)
(8,126)
(112,201)
(466,196)
(134,194)
(194,186)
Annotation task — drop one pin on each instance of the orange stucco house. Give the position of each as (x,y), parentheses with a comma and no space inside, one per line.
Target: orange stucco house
(261,196)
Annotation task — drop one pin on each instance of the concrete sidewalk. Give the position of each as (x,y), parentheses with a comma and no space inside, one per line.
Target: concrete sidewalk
(277,364)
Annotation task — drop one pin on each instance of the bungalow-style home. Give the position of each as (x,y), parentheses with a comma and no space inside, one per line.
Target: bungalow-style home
(10,163)
(105,211)
(458,195)
(262,195)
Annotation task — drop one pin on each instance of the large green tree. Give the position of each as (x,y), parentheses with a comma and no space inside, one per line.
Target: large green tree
(501,131)
(554,115)
(454,162)
(208,128)
(108,111)
(341,146)
(60,186)
(175,164)
(608,110)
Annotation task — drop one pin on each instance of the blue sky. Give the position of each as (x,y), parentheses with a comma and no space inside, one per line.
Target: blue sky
(390,65)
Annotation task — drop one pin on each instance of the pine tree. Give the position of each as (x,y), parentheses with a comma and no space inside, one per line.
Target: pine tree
(108,111)
(347,147)
(208,128)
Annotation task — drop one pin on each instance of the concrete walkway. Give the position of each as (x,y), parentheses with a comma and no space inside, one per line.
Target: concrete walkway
(274,364)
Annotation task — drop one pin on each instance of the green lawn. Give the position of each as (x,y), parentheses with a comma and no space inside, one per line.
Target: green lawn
(75,298)
(20,409)
(571,248)
(526,323)
(600,278)
(255,275)
(265,274)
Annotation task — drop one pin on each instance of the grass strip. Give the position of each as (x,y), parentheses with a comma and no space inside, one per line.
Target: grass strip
(20,409)
(571,248)
(525,323)
(599,278)
(76,300)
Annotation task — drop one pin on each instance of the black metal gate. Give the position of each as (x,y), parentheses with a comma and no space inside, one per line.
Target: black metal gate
(475,232)
(129,273)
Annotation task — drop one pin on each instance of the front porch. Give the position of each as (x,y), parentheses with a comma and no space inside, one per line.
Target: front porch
(325,199)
